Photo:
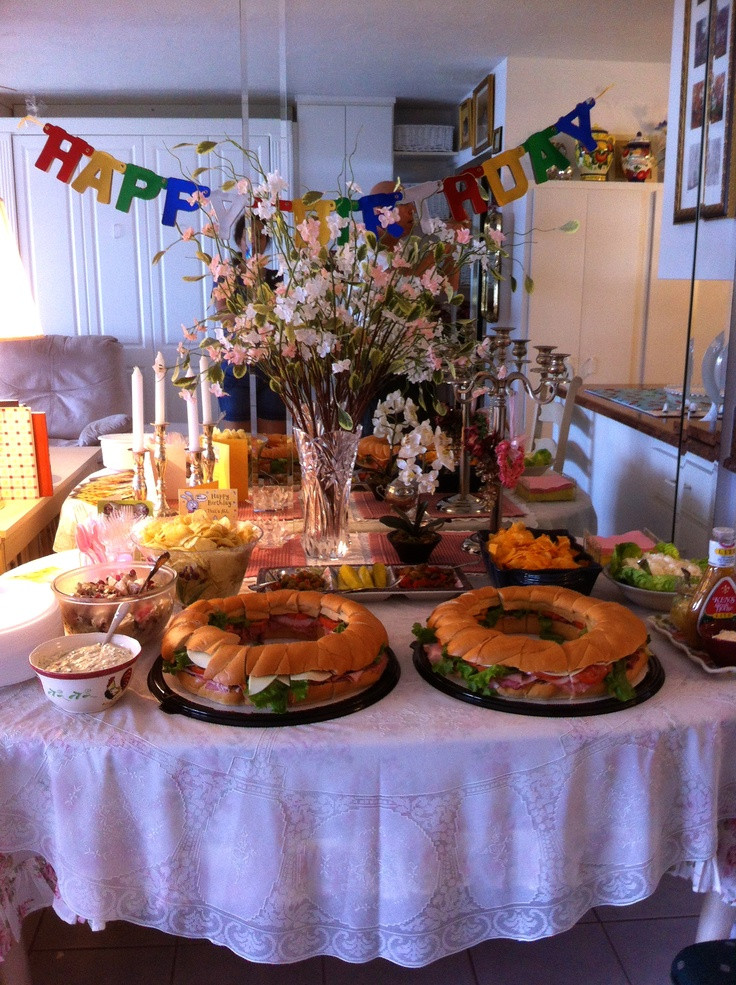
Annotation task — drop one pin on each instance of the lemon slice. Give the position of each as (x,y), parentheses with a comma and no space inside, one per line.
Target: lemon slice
(366,576)
(380,575)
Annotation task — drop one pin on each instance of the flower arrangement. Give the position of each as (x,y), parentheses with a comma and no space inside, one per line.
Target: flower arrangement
(411,450)
(345,315)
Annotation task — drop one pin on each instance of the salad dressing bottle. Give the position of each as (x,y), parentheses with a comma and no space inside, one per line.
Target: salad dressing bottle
(713,603)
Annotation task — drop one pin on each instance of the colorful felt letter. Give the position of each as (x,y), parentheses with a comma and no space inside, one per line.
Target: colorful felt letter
(151,185)
(543,154)
(459,188)
(510,159)
(69,157)
(343,207)
(582,131)
(175,188)
(97,174)
(418,195)
(381,200)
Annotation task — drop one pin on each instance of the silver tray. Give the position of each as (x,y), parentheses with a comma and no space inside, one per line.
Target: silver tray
(268,576)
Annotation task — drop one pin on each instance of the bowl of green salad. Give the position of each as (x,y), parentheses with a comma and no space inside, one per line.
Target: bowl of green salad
(650,578)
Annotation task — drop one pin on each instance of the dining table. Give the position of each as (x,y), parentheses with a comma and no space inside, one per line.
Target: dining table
(409,827)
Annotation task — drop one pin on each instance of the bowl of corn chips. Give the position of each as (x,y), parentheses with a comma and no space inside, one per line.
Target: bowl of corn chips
(517,555)
(209,555)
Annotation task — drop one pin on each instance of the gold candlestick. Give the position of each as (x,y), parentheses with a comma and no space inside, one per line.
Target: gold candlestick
(160,505)
(140,492)
(208,453)
(194,467)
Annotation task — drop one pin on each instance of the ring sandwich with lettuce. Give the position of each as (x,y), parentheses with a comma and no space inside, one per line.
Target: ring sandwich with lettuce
(537,642)
(275,649)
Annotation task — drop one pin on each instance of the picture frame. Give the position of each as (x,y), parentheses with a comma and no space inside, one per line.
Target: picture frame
(497,140)
(491,276)
(483,106)
(706,167)
(465,124)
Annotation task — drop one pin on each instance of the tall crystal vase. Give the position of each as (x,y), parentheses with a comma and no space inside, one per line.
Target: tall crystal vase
(326,462)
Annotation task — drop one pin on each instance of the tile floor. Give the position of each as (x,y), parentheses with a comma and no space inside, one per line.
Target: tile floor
(611,946)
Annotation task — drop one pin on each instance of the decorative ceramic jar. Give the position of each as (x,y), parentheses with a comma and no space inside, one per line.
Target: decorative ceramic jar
(636,159)
(595,166)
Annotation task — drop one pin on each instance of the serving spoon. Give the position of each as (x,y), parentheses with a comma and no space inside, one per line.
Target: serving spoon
(162,559)
(120,613)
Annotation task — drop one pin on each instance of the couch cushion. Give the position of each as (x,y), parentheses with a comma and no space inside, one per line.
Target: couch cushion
(73,379)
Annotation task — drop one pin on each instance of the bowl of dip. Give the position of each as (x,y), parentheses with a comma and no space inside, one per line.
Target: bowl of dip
(82,673)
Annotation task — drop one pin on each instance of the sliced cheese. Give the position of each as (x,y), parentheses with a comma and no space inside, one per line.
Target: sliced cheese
(312,675)
(199,657)
(258,684)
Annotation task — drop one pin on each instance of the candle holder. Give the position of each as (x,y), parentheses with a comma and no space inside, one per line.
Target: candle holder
(194,467)
(160,504)
(208,453)
(463,503)
(498,372)
(140,493)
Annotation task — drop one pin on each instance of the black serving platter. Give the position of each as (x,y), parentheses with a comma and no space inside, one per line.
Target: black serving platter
(173,703)
(645,689)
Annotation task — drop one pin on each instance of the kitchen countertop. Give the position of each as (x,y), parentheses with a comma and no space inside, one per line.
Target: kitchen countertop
(699,437)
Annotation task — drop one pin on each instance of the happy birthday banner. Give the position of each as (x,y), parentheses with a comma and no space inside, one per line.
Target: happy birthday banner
(183,195)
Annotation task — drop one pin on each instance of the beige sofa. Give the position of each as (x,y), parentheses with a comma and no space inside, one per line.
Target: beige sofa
(79,382)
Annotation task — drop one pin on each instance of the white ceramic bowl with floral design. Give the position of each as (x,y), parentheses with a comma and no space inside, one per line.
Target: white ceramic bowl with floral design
(86,691)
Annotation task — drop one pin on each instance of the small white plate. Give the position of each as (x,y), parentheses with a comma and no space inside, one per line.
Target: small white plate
(662,601)
(699,657)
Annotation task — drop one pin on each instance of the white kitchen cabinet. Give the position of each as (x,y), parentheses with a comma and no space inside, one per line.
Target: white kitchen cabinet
(342,140)
(632,477)
(91,265)
(591,286)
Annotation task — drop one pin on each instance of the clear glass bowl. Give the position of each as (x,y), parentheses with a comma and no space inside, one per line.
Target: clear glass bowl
(149,612)
(203,574)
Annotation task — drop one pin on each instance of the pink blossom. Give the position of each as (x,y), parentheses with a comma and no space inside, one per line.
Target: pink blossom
(462,235)
(288,351)
(496,235)
(190,334)
(380,276)
(187,234)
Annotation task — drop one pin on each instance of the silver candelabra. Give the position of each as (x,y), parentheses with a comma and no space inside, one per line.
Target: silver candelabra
(497,371)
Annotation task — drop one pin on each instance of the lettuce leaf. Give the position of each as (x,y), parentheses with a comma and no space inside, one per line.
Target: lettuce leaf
(620,553)
(180,662)
(276,695)
(665,548)
(617,683)
(423,633)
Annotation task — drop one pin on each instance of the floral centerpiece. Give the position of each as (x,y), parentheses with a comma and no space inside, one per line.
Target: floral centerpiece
(403,448)
(350,309)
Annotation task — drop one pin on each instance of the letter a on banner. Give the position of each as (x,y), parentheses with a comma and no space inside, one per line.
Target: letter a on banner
(98,175)
(543,154)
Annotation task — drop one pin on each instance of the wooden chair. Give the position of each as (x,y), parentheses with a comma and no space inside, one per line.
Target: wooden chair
(551,424)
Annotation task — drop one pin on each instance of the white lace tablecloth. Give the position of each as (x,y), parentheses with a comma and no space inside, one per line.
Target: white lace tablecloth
(410,830)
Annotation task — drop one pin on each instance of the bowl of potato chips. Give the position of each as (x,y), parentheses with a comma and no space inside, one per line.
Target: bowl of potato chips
(517,555)
(209,555)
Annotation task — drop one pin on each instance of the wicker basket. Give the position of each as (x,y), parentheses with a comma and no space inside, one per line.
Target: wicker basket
(422,138)
(579,579)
